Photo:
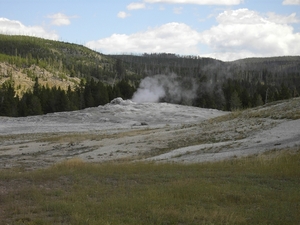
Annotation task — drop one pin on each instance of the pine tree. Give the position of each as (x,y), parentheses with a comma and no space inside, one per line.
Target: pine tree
(120,69)
(126,89)
(88,97)
(100,94)
(63,102)
(284,92)
(258,100)
(235,102)
(8,100)
(36,87)
(245,99)
(35,106)
(73,98)
(31,105)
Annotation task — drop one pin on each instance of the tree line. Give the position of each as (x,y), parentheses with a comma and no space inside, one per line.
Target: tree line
(233,94)
(221,85)
(43,100)
(225,85)
(229,95)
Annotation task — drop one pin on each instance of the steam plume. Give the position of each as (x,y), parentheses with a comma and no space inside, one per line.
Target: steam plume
(168,88)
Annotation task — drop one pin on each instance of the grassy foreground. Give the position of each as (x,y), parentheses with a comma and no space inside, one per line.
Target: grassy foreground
(257,190)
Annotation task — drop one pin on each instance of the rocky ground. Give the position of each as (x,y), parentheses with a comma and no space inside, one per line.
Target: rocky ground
(161,132)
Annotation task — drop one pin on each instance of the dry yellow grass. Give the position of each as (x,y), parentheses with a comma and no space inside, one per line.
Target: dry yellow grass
(23,82)
(252,190)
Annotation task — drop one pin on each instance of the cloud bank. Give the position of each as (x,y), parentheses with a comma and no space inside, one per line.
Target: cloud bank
(238,34)
(245,33)
(14,27)
(170,37)
(291,2)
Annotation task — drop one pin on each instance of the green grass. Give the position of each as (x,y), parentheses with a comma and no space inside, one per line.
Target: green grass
(254,190)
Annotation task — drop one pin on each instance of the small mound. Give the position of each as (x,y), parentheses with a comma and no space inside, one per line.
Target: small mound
(120,101)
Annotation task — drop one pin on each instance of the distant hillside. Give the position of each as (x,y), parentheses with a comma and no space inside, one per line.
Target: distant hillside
(35,71)
(22,58)
(163,63)
(224,85)
(273,69)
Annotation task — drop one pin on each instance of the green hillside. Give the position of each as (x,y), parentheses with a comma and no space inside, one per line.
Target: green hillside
(281,69)
(58,76)
(61,59)
(40,76)
(224,85)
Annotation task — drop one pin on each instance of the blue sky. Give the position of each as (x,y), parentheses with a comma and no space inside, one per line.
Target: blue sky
(222,29)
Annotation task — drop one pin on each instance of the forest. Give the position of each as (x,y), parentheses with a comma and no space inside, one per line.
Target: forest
(224,85)
(221,85)
(43,100)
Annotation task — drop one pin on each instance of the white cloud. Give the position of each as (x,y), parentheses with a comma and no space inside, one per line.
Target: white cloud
(283,19)
(239,34)
(60,19)
(14,27)
(245,33)
(240,16)
(198,2)
(123,15)
(136,5)
(291,2)
(171,37)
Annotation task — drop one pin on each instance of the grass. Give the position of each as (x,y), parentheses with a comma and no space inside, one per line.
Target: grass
(254,190)
(283,109)
(69,137)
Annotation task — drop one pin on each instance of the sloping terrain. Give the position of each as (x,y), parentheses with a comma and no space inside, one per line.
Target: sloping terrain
(124,130)
(23,82)
(55,63)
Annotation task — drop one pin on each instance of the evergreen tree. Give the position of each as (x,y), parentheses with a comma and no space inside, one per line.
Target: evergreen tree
(36,87)
(88,97)
(8,100)
(30,105)
(126,90)
(73,98)
(218,96)
(285,92)
(235,102)
(100,94)
(35,107)
(120,69)
(228,89)
(50,100)
(62,102)
(22,107)
(114,92)
(80,93)
(245,98)
(258,100)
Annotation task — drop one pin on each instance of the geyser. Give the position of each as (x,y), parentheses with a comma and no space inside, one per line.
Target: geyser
(150,90)
(169,88)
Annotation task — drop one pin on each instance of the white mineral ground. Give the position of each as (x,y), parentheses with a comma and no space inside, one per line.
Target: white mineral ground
(128,131)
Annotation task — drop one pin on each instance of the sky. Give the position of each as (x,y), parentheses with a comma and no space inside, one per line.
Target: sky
(223,29)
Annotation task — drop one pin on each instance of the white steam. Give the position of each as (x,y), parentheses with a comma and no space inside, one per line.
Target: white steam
(150,90)
(169,88)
